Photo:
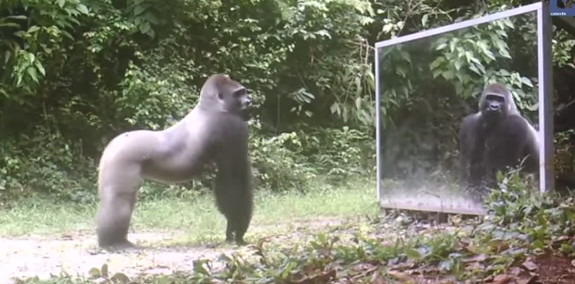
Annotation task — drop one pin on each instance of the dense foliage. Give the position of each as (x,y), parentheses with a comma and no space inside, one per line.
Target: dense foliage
(75,73)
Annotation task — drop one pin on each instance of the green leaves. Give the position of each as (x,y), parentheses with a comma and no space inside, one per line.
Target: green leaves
(27,70)
(466,56)
(32,38)
(144,16)
(82,9)
(102,275)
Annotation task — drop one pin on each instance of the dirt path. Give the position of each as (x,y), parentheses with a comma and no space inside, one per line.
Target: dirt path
(76,255)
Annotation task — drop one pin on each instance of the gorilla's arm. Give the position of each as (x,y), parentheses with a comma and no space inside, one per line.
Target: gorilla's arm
(521,142)
(531,147)
(233,187)
(466,144)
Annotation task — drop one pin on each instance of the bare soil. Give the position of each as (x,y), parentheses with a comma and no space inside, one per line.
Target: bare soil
(555,269)
(76,255)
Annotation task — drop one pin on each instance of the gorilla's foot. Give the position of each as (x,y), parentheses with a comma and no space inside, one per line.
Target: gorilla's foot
(119,245)
(237,241)
(230,234)
(117,248)
(241,242)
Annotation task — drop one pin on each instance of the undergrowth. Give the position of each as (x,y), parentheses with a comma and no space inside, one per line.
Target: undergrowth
(193,213)
(523,238)
(48,164)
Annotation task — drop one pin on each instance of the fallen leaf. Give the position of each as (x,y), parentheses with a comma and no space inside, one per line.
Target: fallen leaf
(363,266)
(502,279)
(318,278)
(476,258)
(561,239)
(514,271)
(526,280)
(498,245)
(399,275)
(529,265)
(376,278)
(365,271)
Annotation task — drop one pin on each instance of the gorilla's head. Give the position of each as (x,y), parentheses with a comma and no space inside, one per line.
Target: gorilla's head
(493,106)
(234,98)
(496,102)
(225,95)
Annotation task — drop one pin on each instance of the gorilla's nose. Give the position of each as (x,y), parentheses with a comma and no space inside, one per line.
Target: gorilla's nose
(493,107)
(248,102)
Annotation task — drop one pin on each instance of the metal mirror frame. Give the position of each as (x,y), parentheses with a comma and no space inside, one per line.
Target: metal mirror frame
(545,91)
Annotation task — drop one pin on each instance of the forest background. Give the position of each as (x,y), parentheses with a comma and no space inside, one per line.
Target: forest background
(75,73)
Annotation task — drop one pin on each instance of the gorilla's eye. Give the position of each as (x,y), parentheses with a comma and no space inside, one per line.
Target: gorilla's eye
(239,93)
(496,98)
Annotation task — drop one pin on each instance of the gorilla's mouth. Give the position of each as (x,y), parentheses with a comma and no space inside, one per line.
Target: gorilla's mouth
(245,113)
(492,115)
(492,112)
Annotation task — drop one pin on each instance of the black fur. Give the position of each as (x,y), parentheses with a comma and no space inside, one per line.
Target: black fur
(496,138)
(233,189)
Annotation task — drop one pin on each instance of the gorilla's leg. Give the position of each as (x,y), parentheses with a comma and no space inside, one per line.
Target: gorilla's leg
(119,185)
(114,215)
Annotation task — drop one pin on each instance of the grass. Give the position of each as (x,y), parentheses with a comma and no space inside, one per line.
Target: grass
(524,238)
(195,218)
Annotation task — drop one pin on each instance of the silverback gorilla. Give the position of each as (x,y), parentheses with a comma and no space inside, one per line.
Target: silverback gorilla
(494,138)
(215,130)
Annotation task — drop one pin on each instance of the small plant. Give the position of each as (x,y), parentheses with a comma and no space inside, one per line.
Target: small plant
(276,166)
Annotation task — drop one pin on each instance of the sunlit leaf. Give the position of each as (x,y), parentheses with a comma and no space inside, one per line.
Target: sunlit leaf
(82,9)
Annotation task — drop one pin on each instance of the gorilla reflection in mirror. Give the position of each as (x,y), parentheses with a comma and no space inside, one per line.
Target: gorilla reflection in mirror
(494,139)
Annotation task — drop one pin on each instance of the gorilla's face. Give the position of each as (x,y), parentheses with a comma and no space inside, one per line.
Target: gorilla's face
(494,106)
(236,100)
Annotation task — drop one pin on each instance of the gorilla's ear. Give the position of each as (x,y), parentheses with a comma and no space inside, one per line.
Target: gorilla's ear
(220,96)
